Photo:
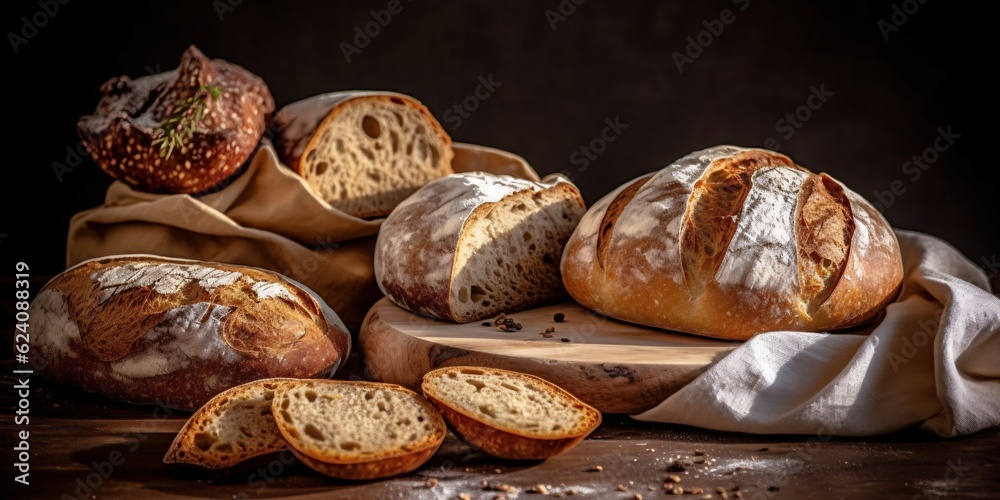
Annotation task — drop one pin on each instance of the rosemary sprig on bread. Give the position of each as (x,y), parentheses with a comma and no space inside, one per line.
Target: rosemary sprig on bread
(181,125)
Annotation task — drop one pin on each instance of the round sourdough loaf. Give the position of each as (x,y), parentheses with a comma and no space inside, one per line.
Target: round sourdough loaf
(123,132)
(173,332)
(730,242)
(469,246)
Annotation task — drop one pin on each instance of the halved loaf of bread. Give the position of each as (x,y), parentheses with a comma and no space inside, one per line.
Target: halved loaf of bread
(472,245)
(232,427)
(363,152)
(509,414)
(357,430)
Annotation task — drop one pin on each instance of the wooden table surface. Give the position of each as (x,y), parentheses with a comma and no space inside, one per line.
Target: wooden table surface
(84,446)
(75,437)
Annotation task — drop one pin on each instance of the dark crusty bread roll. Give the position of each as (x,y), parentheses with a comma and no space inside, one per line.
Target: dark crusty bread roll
(730,242)
(146,329)
(120,133)
(472,245)
(362,152)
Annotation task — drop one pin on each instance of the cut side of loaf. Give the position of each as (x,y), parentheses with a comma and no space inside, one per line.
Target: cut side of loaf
(509,414)
(364,152)
(470,246)
(357,430)
(232,427)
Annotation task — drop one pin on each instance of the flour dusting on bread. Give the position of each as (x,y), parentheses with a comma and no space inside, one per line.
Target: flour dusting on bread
(54,319)
(761,254)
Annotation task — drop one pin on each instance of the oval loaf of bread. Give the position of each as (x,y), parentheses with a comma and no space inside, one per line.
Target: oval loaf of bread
(730,242)
(357,430)
(471,245)
(509,414)
(173,332)
(362,152)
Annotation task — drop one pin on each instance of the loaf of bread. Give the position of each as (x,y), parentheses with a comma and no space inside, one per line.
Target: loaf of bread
(509,414)
(731,242)
(357,430)
(471,245)
(362,152)
(234,426)
(146,329)
(216,110)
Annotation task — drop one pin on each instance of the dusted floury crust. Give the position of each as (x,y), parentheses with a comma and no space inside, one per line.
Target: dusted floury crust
(472,245)
(120,133)
(174,332)
(362,152)
(730,242)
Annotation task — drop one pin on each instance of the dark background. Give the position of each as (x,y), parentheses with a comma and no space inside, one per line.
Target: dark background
(605,60)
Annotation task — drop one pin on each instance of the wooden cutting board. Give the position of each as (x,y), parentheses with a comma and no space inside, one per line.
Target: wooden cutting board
(616,367)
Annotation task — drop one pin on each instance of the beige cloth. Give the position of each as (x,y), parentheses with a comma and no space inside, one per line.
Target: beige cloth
(267,217)
(933,360)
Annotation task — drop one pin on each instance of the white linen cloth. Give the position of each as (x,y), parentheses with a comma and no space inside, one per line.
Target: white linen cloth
(933,360)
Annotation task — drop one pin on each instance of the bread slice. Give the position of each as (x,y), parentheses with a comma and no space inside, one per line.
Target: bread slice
(357,430)
(472,245)
(509,414)
(231,427)
(363,152)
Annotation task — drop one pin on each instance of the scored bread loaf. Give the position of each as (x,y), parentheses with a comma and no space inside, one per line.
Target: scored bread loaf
(145,329)
(730,242)
(232,427)
(362,152)
(357,430)
(509,414)
(123,131)
(471,245)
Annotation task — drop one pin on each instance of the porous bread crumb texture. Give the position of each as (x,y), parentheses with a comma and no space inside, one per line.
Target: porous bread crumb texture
(355,422)
(232,427)
(119,134)
(513,402)
(373,153)
(508,254)
(469,245)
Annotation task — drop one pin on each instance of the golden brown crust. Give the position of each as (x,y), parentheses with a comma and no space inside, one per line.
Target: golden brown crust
(140,342)
(376,469)
(510,443)
(842,257)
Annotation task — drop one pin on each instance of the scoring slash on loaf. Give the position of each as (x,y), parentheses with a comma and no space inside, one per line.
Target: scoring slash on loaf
(472,245)
(730,242)
(120,134)
(145,329)
(232,427)
(509,414)
(363,152)
(357,430)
